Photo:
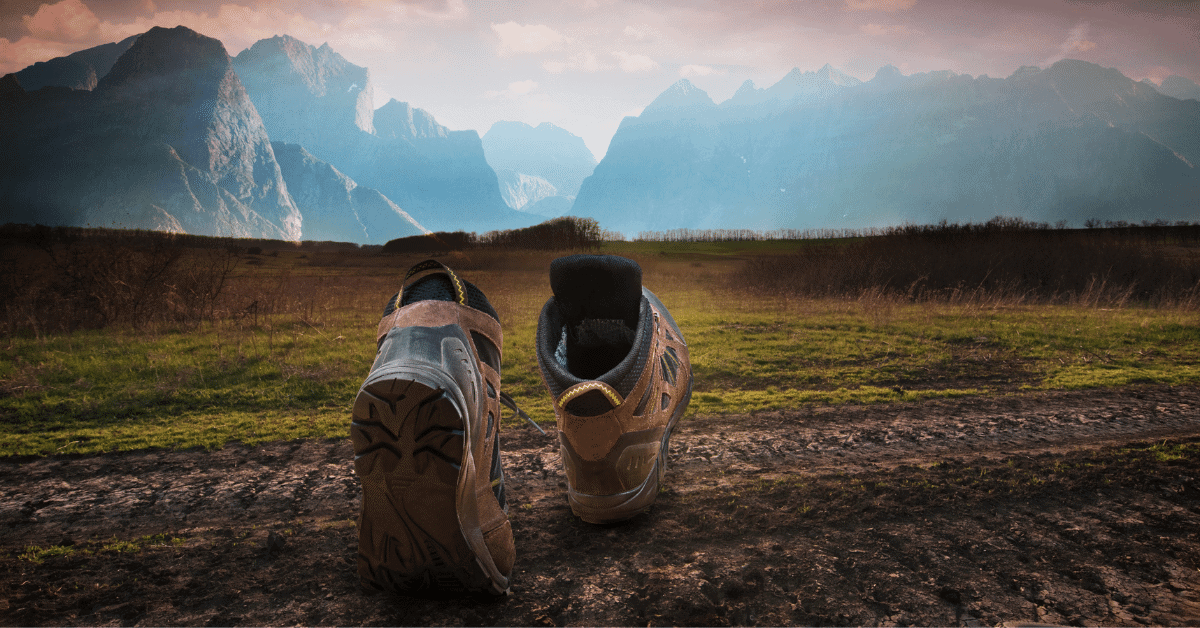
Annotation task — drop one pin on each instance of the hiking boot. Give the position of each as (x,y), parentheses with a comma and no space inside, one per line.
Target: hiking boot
(425,430)
(617,368)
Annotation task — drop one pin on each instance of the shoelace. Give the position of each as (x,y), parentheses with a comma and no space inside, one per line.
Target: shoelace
(508,402)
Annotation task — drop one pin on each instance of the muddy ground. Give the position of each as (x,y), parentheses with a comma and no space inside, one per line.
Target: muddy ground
(1053,508)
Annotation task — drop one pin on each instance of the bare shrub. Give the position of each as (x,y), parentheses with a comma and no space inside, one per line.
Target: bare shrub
(63,279)
(1004,260)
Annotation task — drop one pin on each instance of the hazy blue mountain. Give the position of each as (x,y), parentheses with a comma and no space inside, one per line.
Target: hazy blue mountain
(167,140)
(550,206)
(79,70)
(519,190)
(313,97)
(1177,87)
(401,121)
(819,149)
(532,195)
(809,86)
(547,151)
(681,100)
(336,208)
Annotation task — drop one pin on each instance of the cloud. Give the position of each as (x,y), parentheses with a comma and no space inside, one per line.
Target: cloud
(520,39)
(887,6)
(634,62)
(449,10)
(882,30)
(15,55)
(1082,45)
(689,71)
(1077,41)
(515,90)
(1158,73)
(581,62)
(520,88)
(642,32)
(68,20)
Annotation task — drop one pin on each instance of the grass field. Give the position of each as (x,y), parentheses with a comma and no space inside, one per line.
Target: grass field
(295,337)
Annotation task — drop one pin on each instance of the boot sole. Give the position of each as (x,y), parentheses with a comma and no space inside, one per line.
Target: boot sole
(419,530)
(603,509)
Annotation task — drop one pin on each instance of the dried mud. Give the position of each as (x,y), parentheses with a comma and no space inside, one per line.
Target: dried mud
(1011,510)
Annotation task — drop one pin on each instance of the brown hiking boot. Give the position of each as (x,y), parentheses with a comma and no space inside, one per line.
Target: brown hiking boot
(426,444)
(617,368)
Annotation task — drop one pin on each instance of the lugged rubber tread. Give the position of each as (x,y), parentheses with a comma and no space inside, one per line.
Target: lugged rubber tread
(408,432)
(434,519)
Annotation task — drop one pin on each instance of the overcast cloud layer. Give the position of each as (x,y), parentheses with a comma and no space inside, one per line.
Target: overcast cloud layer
(584,65)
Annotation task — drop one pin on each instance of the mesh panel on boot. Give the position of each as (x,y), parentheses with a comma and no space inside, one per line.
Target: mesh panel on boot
(438,288)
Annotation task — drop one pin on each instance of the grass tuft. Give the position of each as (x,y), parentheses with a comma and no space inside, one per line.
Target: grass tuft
(36,554)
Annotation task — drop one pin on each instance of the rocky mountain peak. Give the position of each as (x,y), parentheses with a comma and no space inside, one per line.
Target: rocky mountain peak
(400,120)
(179,52)
(888,72)
(317,68)
(835,76)
(1086,86)
(746,95)
(682,95)
(1025,72)
(1179,87)
(286,74)
(1091,73)
(10,87)
(78,70)
(179,85)
(797,85)
(747,87)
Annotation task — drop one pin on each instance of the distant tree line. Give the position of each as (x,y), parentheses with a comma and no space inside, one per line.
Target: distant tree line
(751,235)
(1151,231)
(15,232)
(568,233)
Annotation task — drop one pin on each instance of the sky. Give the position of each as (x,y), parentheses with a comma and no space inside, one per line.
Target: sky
(585,64)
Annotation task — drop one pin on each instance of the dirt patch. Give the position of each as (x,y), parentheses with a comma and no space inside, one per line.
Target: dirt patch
(1063,508)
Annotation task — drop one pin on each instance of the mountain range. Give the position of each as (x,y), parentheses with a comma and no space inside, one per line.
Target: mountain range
(313,97)
(166,131)
(822,149)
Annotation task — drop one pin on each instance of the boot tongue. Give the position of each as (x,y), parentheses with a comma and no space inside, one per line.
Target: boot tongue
(600,300)
(604,287)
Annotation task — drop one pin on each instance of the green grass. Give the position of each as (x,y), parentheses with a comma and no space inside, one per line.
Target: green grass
(37,554)
(107,391)
(769,355)
(295,375)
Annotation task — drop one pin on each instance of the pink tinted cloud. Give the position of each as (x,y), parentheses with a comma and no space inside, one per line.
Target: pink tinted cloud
(69,20)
